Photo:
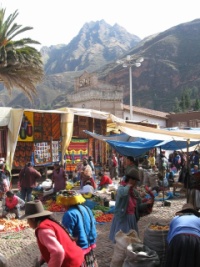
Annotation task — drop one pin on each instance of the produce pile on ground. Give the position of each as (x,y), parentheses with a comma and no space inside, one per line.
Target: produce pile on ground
(101,213)
(12,225)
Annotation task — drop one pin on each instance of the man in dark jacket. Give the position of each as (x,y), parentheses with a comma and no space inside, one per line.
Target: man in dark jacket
(27,181)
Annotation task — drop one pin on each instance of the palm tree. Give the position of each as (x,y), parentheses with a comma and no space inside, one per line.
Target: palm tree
(21,65)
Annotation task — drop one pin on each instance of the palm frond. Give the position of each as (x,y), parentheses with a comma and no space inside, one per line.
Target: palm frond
(21,65)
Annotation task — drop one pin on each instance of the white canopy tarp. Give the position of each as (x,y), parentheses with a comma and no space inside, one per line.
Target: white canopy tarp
(4,116)
(156,134)
(93,114)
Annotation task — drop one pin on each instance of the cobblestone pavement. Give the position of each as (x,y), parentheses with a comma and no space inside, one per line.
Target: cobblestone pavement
(20,248)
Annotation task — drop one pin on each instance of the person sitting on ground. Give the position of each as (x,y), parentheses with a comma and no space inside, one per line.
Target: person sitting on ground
(12,204)
(104,181)
(91,182)
(87,188)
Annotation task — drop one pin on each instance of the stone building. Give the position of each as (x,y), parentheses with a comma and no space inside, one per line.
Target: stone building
(89,93)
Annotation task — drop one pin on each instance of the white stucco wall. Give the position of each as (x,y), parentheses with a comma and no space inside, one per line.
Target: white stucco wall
(139,117)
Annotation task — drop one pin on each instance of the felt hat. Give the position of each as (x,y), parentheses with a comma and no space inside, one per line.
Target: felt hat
(35,209)
(133,174)
(188,208)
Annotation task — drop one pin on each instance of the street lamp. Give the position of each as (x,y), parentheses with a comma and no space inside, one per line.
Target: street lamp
(129,62)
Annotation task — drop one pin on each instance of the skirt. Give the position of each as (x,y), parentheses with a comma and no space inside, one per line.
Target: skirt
(183,251)
(90,260)
(125,225)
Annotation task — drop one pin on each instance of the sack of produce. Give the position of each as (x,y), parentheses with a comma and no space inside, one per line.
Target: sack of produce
(155,237)
(120,248)
(139,255)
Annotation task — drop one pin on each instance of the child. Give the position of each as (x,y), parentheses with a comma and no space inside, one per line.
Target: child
(11,204)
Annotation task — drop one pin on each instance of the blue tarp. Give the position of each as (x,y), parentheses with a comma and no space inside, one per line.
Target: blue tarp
(138,148)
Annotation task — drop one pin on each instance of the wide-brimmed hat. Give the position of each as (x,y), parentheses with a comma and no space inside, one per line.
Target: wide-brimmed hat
(133,174)
(35,209)
(188,208)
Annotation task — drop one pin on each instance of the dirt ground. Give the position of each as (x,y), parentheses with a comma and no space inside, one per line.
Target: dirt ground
(20,248)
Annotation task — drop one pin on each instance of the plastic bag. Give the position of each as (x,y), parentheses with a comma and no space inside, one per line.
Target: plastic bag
(139,255)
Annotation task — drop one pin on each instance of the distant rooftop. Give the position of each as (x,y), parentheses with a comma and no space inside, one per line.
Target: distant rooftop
(147,111)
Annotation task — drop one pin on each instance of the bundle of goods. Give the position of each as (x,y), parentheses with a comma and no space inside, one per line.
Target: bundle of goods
(69,198)
(155,237)
(120,248)
(12,225)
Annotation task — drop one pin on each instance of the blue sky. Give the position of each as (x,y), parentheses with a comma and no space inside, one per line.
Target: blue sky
(57,22)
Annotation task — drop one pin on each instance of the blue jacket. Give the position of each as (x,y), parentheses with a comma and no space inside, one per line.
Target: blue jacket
(83,228)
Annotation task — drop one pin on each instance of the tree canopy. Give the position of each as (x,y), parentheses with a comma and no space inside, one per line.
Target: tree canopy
(21,65)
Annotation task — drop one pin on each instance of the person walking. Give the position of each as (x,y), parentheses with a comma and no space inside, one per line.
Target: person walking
(184,238)
(27,181)
(128,206)
(59,178)
(12,204)
(114,172)
(57,247)
(81,224)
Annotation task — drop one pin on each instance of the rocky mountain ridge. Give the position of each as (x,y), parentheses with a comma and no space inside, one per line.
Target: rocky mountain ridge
(171,65)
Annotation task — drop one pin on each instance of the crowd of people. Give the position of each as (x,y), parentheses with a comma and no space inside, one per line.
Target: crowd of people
(72,241)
